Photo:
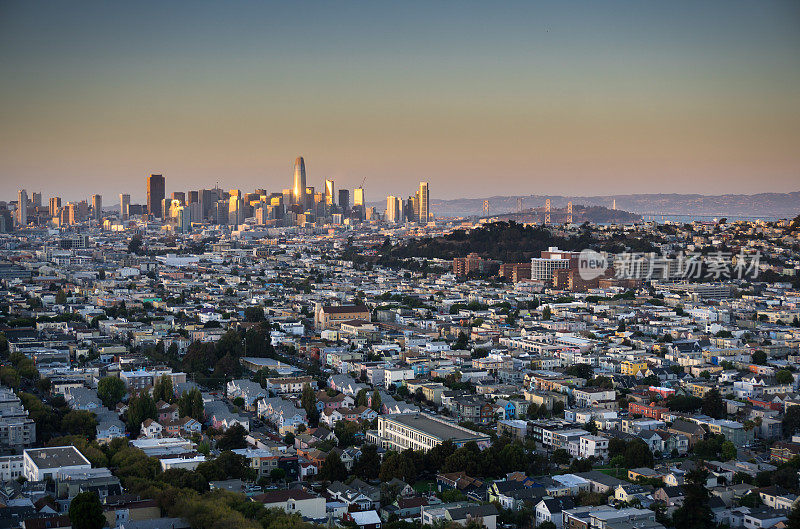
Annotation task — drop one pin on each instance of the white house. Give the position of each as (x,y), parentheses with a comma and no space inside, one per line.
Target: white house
(151,429)
(294,501)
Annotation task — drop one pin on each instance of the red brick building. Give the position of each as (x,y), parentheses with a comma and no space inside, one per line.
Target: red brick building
(647,410)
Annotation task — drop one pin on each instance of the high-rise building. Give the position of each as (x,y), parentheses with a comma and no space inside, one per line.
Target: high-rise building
(412,208)
(330,199)
(394,209)
(155,195)
(97,207)
(36,201)
(299,185)
(70,214)
(166,203)
(183,218)
(424,209)
(22,208)
(344,200)
(55,206)
(124,206)
(179,195)
(235,209)
(193,197)
(358,196)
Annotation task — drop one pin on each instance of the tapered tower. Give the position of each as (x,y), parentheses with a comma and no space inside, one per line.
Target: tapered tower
(299,187)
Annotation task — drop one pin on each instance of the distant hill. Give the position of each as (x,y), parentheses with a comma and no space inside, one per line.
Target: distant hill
(509,242)
(758,205)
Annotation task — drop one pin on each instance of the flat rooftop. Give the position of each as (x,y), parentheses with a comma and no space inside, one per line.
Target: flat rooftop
(439,429)
(61,456)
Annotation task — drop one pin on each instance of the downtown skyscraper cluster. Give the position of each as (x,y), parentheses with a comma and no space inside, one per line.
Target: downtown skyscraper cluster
(298,205)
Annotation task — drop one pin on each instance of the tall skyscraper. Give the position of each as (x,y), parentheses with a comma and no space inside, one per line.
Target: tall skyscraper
(97,207)
(69,214)
(299,185)
(344,200)
(235,208)
(193,197)
(36,201)
(179,195)
(155,195)
(124,206)
(22,208)
(394,209)
(329,193)
(55,206)
(183,219)
(166,203)
(424,209)
(358,196)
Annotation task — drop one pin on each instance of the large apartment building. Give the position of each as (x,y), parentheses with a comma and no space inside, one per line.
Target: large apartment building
(420,431)
(17,430)
(542,268)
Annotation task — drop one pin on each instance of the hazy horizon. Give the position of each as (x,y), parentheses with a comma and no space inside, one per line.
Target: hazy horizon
(523,98)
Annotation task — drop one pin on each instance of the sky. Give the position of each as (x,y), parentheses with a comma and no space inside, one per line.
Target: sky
(478,98)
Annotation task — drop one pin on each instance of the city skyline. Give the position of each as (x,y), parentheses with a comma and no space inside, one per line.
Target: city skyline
(605,99)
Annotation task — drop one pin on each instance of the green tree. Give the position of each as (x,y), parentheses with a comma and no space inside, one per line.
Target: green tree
(376,401)
(333,469)
(86,511)
(560,456)
(794,517)
(461,343)
(254,314)
(638,454)
(728,451)
(547,313)
(81,423)
(233,438)
(9,377)
(368,464)
(140,408)
(791,420)
(110,390)
(346,432)
(713,405)
(361,398)
(190,404)
(784,376)
(695,512)
(759,357)
(308,400)
(163,389)
(135,244)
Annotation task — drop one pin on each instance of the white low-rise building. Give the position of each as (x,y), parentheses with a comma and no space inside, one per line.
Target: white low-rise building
(42,463)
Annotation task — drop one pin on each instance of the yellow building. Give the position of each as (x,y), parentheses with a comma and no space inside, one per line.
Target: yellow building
(329,317)
(631,368)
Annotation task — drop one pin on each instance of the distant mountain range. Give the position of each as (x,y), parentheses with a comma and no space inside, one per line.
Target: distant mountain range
(757,206)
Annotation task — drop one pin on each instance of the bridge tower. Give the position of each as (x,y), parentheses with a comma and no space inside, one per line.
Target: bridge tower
(569,212)
(485,208)
(547,212)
